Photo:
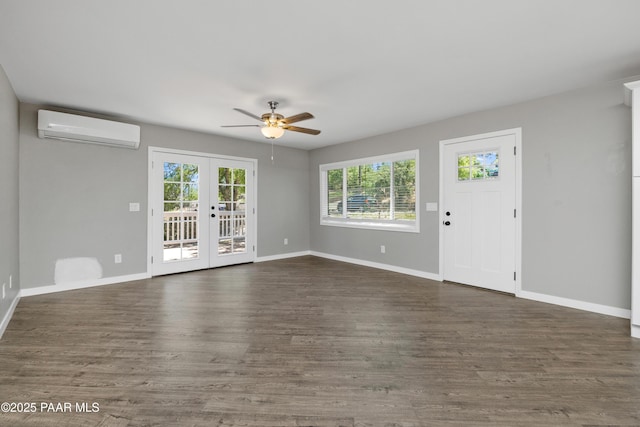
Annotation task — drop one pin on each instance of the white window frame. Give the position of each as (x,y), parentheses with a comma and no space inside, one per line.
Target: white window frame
(372,224)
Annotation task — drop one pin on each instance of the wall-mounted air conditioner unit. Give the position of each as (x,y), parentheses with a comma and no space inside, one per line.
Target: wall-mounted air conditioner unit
(70,127)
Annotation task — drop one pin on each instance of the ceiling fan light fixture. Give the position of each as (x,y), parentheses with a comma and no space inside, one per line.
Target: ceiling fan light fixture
(272,132)
(274,124)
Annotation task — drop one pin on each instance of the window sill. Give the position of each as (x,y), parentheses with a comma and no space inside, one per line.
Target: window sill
(402,226)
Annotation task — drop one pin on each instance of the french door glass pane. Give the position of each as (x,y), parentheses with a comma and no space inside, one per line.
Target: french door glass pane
(171,191)
(231,211)
(172,171)
(180,216)
(171,252)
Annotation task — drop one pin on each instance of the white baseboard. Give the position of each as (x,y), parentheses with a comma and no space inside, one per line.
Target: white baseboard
(7,317)
(388,267)
(550,299)
(580,305)
(282,256)
(635,331)
(41,290)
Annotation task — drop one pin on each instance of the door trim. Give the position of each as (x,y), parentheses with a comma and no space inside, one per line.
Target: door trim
(517,133)
(150,152)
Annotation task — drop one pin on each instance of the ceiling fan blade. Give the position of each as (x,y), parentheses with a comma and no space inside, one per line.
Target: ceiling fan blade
(297,118)
(303,130)
(240,126)
(253,116)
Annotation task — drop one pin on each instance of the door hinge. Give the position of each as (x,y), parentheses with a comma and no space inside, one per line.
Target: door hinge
(254,248)
(151,260)
(254,211)
(151,212)
(514,213)
(514,275)
(254,172)
(514,150)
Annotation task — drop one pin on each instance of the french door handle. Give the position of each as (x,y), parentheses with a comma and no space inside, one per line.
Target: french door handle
(213,215)
(446,223)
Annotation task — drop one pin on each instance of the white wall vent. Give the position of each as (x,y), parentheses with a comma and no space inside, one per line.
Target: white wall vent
(70,127)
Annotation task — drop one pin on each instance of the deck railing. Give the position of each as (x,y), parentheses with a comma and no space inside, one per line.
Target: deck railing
(232,224)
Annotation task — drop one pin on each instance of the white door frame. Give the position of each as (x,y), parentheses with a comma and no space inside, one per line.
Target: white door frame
(150,201)
(517,133)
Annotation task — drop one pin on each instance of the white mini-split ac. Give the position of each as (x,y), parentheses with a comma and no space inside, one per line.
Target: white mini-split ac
(70,127)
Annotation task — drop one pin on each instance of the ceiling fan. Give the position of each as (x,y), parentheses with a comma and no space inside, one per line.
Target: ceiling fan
(275,124)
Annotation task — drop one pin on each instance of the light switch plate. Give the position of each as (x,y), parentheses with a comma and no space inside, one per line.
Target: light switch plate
(432,207)
(134,207)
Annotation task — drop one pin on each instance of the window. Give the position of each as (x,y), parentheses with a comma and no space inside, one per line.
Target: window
(478,166)
(377,192)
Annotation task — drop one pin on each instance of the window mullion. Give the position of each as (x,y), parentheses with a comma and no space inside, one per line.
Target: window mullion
(324,188)
(392,195)
(344,192)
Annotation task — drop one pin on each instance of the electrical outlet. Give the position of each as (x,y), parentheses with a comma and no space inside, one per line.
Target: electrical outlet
(117,258)
(286,241)
(383,250)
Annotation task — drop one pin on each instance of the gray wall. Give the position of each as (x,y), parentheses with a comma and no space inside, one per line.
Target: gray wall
(9,124)
(74,198)
(576,194)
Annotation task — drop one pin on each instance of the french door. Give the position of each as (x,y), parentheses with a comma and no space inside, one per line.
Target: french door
(202,212)
(479,218)
(232,184)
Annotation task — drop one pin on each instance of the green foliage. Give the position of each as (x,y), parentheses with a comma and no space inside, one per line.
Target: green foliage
(478,166)
(181,185)
(404,182)
(334,178)
(231,187)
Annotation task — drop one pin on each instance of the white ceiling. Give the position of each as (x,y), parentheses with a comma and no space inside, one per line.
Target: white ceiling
(362,67)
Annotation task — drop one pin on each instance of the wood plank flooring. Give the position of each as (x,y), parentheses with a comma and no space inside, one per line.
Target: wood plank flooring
(313,342)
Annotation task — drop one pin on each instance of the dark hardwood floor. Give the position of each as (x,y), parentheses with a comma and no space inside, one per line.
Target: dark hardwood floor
(312,342)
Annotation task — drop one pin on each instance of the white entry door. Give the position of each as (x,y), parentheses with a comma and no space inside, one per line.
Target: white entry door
(479,210)
(202,212)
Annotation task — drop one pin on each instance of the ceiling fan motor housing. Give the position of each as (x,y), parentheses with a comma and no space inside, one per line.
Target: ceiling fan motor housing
(273,119)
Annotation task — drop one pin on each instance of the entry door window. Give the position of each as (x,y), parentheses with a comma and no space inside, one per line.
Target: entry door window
(181,210)
(232,205)
(478,166)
